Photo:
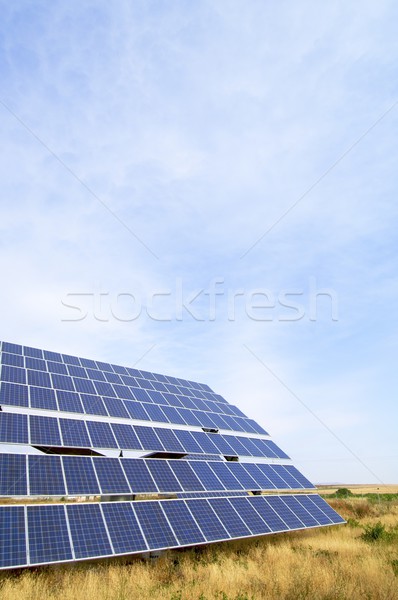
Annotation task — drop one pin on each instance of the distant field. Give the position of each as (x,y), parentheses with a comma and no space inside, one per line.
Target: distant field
(360,488)
(354,561)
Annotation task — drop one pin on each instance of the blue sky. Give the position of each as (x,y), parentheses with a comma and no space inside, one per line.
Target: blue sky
(151,153)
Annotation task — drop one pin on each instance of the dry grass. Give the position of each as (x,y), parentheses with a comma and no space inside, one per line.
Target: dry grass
(358,488)
(321,564)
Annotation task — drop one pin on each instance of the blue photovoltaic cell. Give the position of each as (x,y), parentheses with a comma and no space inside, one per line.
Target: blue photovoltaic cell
(187,441)
(48,534)
(14,393)
(143,383)
(138,476)
(140,395)
(185,476)
(123,392)
(87,362)
(75,371)
(93,405)
(39,378)
(173,400)
(263,481)
(239,448)
(44,431)
(225,476)
(274,522)
(34,352)
(156,529)
(35,363)
(314,510)
(71,360)
(45,476)
(156,413)
(148,438)
(88,531)
(69,402)
(207,520)
(222,445)
(173,415)
(128,380)
(300,478)
(206,476)
(136,410)
(55,356)
(13,348)
(156,397)
(13,374)
(111,378)
(189,417)
(111,476)
(290,480)
(324,506)
(182,522)
(289,517)
(57,367)
(300,511)
(101,434)
(80,476)
(278,452)
(205,442)
(163,476)
(43,398)
(62,382)
(95,374)
(169,440)
(229,517)
(12,531)
(243,476)
(119,369)
(13,428)
(123,528)
(116,408)
(278,482)
(74,433)
(104,389)
(250,516)
(13,475)
(84,386)
(125,436)
(103,366)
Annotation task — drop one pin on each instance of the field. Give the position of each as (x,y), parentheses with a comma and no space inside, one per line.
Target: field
(354,561)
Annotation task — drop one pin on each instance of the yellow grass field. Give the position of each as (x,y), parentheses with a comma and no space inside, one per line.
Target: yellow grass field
(333,563)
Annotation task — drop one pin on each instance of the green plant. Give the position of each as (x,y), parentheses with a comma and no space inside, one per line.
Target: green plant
(374,533)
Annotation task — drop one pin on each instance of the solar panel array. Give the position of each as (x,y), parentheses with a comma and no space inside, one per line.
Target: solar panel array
(181,465)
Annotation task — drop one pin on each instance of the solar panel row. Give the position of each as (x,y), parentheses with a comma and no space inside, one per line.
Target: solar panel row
(38,430)
(124,404)
(49,475)
(42,534)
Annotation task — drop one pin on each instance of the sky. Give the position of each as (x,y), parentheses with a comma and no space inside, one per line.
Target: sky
(207,189)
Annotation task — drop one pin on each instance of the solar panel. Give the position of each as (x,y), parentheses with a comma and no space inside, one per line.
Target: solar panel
(194,447)
(207,520)
(229,517)
(13,480)
(88,531)
(80,475)
(48,534)
(13,537)
(184,525)
(45,476)
(111,476)
(123,528)
(155,526)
